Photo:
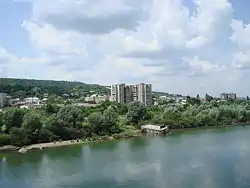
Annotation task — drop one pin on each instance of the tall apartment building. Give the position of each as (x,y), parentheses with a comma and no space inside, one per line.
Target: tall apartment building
(126,93)
(227,96)
(3,100)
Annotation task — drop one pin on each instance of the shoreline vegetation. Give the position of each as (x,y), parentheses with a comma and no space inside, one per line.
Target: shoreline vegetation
(11,148)
(69,124)
(135,134)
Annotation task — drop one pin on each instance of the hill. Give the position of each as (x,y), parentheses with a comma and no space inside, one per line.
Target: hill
(27,87)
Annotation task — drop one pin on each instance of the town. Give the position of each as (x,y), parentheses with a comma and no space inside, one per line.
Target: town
(120,93)
(37,111)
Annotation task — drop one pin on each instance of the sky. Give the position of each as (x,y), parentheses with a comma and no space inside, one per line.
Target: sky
(179,46)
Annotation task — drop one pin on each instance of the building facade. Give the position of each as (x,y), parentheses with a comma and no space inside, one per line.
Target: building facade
(228,96)
(4,101)
(32,100)
(123,94)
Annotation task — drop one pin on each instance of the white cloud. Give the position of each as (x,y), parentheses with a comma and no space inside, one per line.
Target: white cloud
(25,67)
(157,41)
(241,37)
(241,33)
(242,60)
(198,66)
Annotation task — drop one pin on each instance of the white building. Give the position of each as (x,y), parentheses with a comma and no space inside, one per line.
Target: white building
(101,98)
(97,98)
(31,106)
(32,100)
(90,98)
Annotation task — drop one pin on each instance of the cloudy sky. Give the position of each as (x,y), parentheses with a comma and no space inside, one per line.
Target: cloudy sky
(180,46)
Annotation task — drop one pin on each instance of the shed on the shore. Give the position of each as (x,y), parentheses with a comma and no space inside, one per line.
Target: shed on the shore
(157,129)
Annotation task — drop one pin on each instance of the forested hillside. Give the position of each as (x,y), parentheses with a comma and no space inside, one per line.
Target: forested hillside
(27,87)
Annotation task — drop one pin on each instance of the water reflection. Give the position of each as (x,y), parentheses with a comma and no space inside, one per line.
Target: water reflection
(138,143)
(108,145)
(67,152)
(205,159)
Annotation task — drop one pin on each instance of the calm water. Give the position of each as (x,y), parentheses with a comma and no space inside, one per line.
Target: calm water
(218,158)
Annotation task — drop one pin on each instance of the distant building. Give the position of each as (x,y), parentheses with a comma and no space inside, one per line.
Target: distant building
(101,98)
(32,100)
(45,95)
(228,96)
(44,100)
(90,98)
(123,94)
(14,101)
(30,106)
(4,100)
(97,98)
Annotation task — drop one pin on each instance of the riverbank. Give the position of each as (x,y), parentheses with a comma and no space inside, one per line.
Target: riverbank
(40,146)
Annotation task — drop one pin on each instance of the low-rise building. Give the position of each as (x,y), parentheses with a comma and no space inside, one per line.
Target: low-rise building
(97,98)
(30,106)
(14,101)
(101,98)
(90,98)
(32,100)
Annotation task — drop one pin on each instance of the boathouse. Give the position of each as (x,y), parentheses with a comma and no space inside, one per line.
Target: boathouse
(156,129)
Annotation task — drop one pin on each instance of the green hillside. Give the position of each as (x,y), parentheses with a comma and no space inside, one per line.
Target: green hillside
(27,87)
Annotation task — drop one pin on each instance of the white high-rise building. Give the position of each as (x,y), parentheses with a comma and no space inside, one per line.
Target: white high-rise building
(122,93)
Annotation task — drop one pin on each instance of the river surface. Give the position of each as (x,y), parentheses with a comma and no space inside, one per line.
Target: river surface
(211,158)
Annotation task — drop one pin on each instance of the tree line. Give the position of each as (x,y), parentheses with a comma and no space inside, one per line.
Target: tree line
(53,123)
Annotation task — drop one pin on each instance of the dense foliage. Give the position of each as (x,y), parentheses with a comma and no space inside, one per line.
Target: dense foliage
(52,123)
(24,87)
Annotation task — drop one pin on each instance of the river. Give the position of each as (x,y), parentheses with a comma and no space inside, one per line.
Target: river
(210,158)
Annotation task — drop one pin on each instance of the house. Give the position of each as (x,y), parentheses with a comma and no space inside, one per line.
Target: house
(30,106)
(32,100)
(44,100)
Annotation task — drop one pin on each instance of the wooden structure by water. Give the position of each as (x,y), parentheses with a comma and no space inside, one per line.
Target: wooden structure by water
(155,129)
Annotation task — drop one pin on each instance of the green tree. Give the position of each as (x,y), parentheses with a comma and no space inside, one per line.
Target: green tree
(248,116)
(71,116)
(171,116)
(96,122)
(193,101)
(51,108)
(18,137)
(13,117)
(241,116)
(55,126)
(208,98)
(2,127)
(136,112)
(110,121)
(32,126)
(5,139)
